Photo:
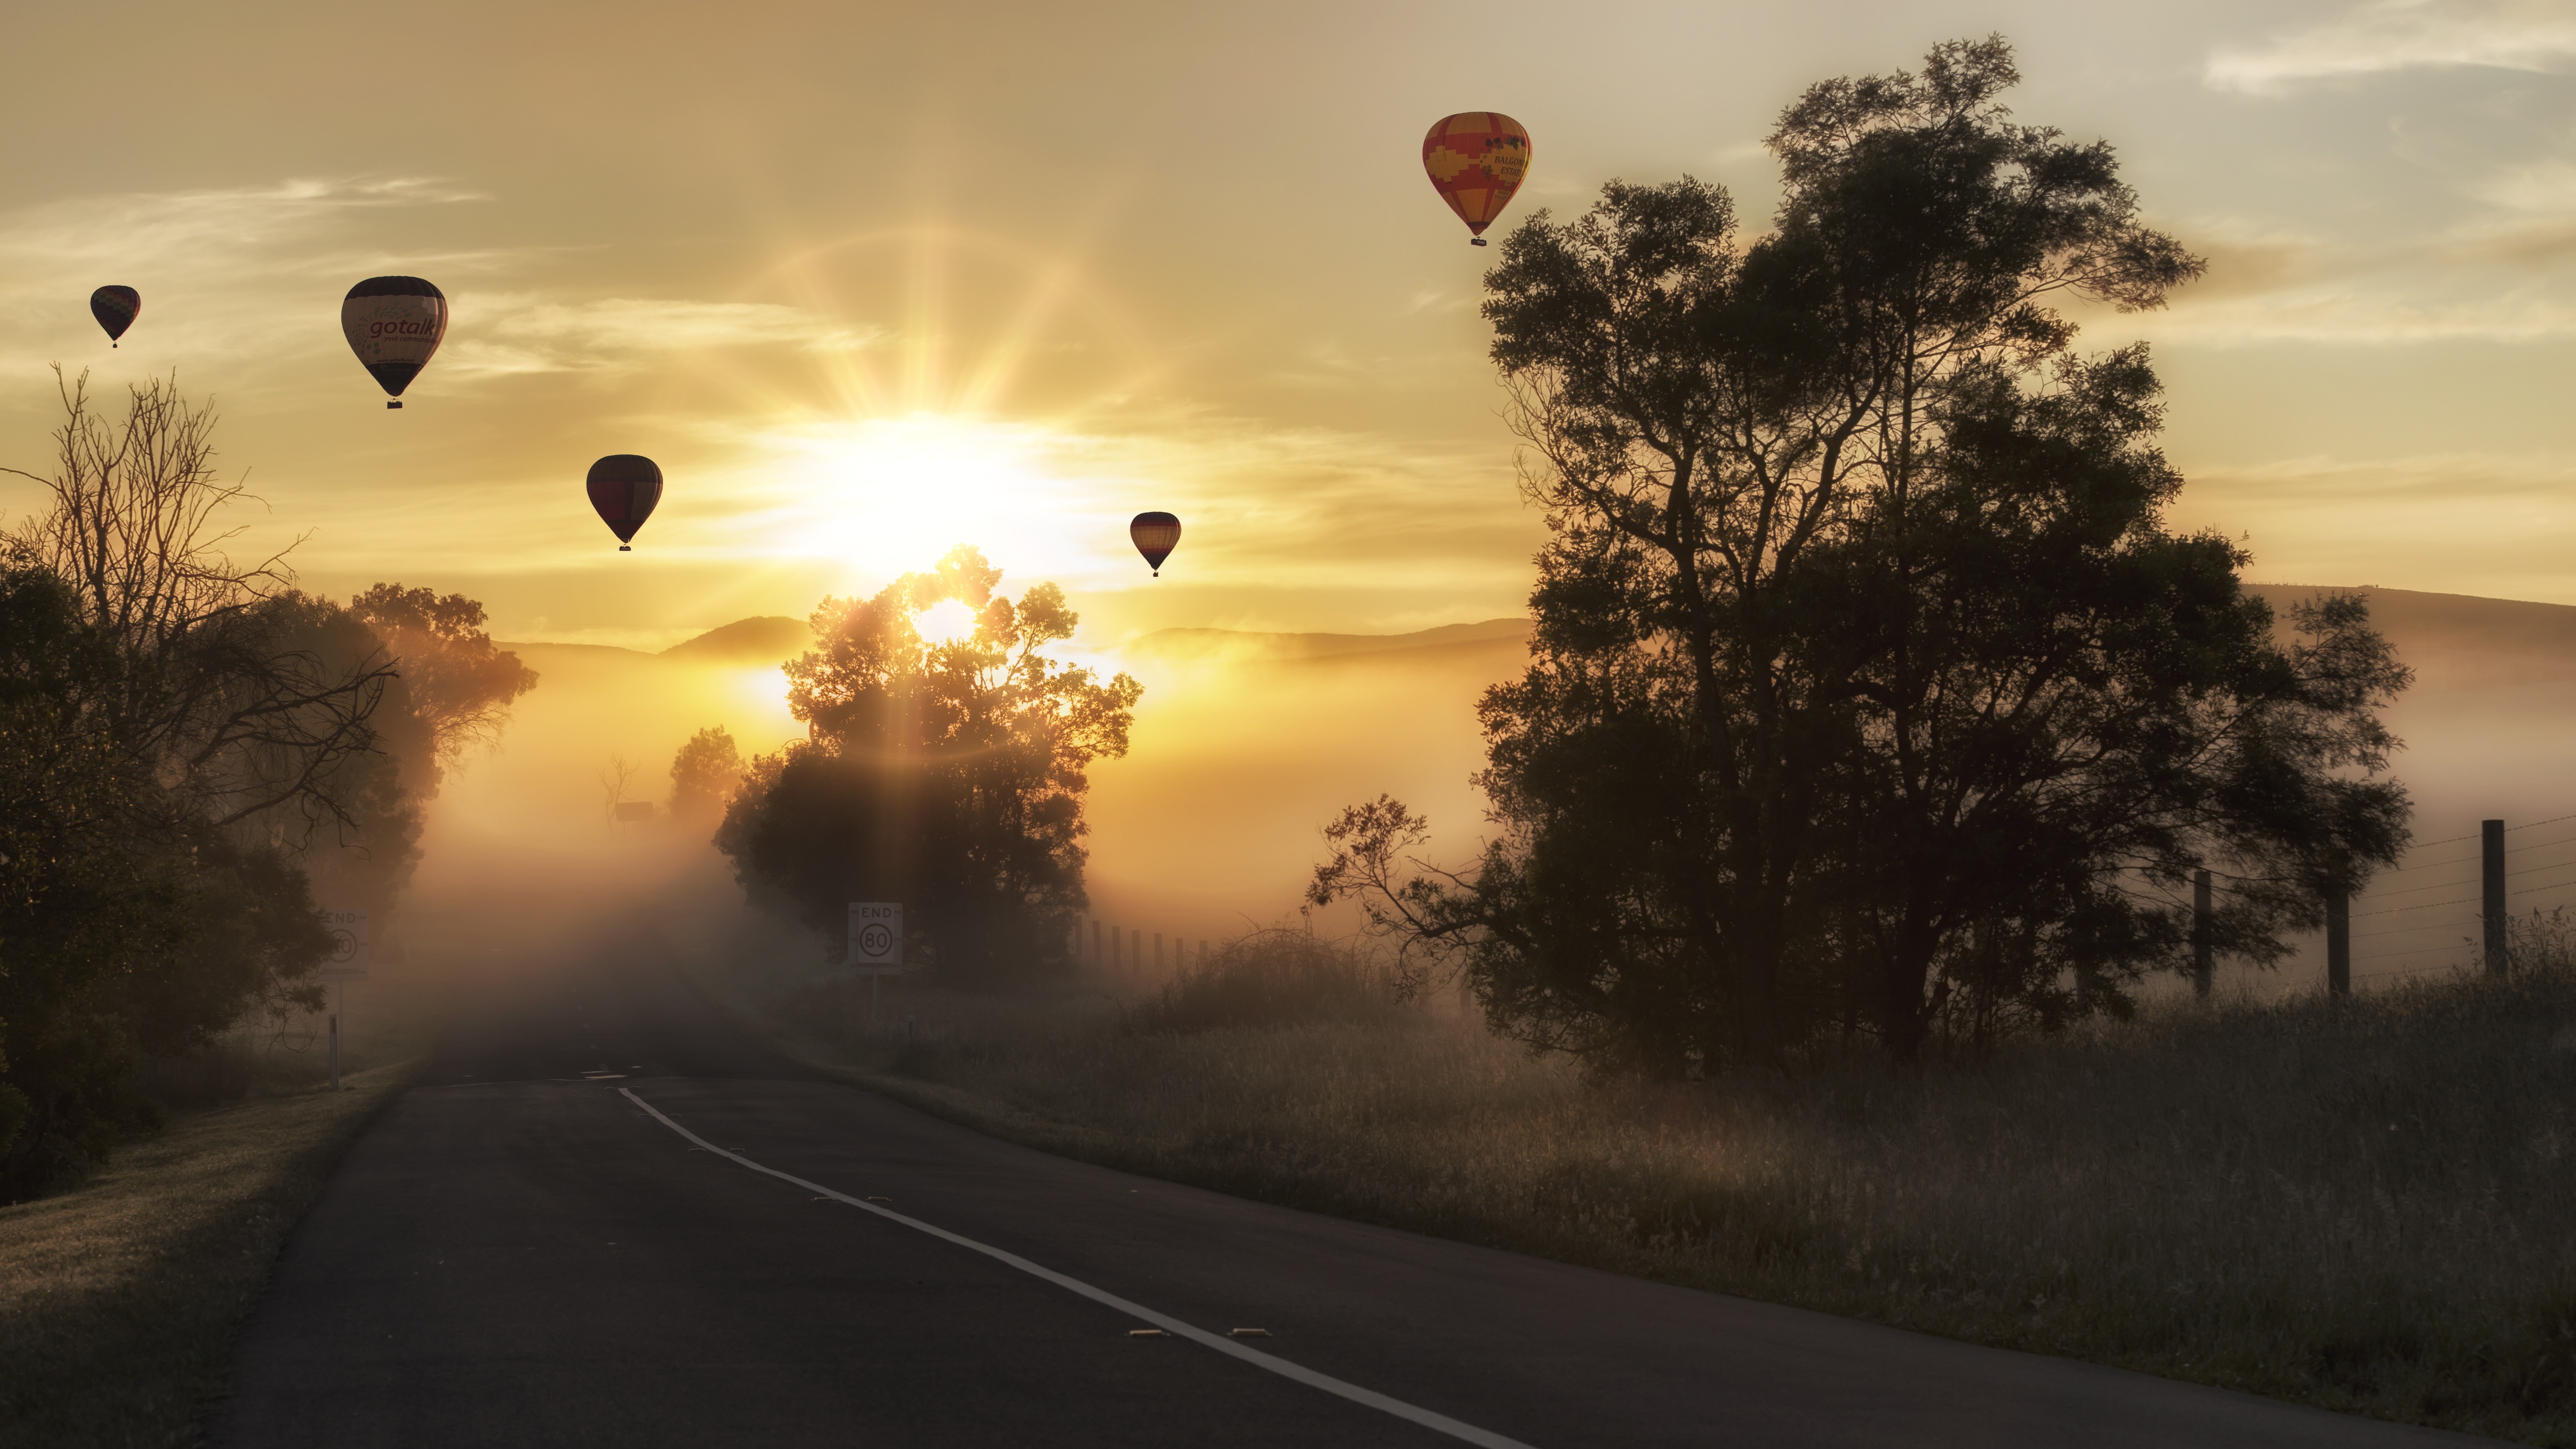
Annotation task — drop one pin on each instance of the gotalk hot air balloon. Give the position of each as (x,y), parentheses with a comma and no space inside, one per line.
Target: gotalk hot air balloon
(1476,160)
(115,308)
(624,487)
(1155,536)
(394,324)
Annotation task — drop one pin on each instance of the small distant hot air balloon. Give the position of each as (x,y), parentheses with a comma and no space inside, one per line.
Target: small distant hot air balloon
(394,324)
(1476,160)
(115,308)
(1156,534)
(624,487)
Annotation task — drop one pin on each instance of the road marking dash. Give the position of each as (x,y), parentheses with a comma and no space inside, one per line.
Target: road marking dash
(1299,1373)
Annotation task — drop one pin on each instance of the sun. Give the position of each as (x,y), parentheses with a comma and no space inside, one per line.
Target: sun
(886,496)
(945,622)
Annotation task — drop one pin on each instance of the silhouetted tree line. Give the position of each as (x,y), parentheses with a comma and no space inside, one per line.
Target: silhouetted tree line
(947,776)
(1870,692)
(189,749)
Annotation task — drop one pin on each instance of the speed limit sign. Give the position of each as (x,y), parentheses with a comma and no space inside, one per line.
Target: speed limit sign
(876,937)
(348,958)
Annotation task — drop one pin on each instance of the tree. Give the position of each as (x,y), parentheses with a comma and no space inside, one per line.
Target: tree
(1857,572)
(460,682)
(131,925)
(703,774)
(207,696)
(948,776)
(188,747)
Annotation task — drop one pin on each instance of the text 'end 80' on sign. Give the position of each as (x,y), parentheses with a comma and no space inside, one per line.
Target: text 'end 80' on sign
(876,936)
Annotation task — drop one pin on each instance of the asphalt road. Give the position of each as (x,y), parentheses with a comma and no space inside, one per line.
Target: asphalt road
(518,1253)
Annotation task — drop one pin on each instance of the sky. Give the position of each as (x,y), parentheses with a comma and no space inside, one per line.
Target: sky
(869,280)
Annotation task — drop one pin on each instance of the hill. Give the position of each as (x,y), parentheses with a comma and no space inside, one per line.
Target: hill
(1194,644)
(761,639)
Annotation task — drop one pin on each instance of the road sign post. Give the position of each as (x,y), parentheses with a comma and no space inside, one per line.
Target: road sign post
(876,946)
(346,963)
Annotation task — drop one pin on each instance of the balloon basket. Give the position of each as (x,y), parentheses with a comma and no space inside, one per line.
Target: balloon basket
(626,548)
(394,404)
(1475,241)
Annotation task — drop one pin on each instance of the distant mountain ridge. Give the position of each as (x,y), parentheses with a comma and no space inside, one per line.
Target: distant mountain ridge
(1198,643)
(2423,626)
(760,639)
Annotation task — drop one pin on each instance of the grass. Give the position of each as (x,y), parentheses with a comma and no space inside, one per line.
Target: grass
(2360,1204)
(120,1298)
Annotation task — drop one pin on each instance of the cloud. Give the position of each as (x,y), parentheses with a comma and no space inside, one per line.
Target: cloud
(522,334)
(212,228)
(2397,35)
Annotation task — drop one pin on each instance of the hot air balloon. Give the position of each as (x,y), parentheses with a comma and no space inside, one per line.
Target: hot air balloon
(393,324)
(624,487)
(115,308)
(1476,160)
(1156,534)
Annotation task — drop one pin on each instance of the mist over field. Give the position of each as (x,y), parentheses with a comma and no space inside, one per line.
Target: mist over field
(1245,743)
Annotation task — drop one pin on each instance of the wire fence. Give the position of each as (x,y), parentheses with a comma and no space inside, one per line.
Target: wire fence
(2427,914)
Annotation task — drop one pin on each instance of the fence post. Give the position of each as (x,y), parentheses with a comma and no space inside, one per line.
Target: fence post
(2339,942)
(2491,838)
(1136,946)
(1117,961)
(1158,950)
(2200,933)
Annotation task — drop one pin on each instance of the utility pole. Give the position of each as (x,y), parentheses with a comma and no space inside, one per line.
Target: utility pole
(2200,979)
(2491,837)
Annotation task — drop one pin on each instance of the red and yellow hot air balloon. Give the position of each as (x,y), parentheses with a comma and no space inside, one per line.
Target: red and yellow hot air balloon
(1476,160)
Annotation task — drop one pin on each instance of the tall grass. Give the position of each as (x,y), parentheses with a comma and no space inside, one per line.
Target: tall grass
(2360,1203)
(1270,978)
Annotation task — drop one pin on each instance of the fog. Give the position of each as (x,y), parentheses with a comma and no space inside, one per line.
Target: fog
(1244,745)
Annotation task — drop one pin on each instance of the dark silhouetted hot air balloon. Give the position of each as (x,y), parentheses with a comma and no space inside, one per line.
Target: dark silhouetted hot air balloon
(1156,534)
(394,324)
(1476,160)
(115,308)
(624,487)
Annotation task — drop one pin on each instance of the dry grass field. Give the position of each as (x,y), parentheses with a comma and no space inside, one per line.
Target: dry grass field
(2358,1204)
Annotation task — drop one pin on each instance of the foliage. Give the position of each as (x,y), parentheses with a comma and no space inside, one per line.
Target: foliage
(704,773)
(188,749)
(948,776)
(1870,692)
(460,683)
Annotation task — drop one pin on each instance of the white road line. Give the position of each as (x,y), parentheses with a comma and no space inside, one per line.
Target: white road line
(1280,1366)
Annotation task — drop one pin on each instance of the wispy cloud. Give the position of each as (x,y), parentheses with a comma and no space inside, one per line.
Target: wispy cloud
(219,227)
(519,333)
(2397,35)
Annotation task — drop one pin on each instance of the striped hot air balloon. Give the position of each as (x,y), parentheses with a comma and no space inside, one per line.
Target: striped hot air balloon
(393,324)
(1476,160)
(115,308)
(1155,536)
(624,487)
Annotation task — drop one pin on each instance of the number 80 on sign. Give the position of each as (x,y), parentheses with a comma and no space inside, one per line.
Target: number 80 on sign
(876,938)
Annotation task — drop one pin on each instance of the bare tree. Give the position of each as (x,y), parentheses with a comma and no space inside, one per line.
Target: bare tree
(612,783)
(211,704)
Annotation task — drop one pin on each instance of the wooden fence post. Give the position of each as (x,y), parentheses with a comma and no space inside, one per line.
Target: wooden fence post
(2200,974)
(2491,902)
(2339,943)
